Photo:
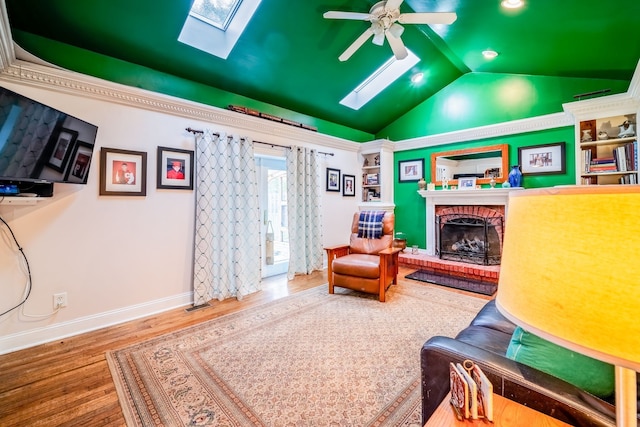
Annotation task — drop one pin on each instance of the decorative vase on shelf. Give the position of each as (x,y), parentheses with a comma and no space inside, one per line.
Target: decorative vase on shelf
(492,182)
(422,184)
(515,176)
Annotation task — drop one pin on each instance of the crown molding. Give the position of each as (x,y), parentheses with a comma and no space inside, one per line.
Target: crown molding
(77,84)
(548,121)
(7,54)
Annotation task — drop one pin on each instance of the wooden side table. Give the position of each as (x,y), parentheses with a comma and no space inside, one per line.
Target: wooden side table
(506,413)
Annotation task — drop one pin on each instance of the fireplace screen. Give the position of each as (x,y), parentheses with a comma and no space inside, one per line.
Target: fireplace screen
(469,238)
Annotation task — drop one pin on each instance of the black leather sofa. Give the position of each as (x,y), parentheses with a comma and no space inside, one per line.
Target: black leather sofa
(485,342)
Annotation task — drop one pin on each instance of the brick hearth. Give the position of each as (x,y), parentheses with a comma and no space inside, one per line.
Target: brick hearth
(421,261)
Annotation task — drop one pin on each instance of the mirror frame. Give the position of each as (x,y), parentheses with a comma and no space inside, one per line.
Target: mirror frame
(503,148)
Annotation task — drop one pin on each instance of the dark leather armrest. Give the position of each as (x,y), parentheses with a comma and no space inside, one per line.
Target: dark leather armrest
(515,381)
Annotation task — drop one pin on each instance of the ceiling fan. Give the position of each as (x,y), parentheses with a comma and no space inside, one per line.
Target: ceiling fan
(384,17)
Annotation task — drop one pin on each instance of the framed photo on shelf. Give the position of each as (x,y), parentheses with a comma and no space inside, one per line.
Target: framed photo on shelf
(78,169)
(542,159)
(175,169)
(123,172)
(348,185)
(372,179)
(62,148)
(333,179)
(410,170)
(467,183)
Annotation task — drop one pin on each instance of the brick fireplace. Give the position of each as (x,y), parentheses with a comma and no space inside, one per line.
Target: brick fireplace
(494,199)
(469,233)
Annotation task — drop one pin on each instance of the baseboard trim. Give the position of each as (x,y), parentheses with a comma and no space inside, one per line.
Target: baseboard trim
(33,337)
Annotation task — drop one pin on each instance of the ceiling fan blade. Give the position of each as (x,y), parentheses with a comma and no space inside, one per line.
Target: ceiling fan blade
(393,4)
(332,14)
(356,45)
(428,18)
(397,46)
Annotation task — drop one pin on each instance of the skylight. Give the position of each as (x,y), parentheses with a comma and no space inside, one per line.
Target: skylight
(388,73)
(215,12)
(214,26)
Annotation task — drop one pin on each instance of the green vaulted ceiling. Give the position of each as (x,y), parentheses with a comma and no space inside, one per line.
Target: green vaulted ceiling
(288,56)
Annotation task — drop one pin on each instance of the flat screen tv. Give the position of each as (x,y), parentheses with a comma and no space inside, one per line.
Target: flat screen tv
(41,144)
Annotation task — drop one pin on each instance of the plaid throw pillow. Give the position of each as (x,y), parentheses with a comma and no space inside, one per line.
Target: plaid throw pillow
(370,224)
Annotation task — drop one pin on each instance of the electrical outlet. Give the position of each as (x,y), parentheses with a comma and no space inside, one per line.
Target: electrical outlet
(59,300)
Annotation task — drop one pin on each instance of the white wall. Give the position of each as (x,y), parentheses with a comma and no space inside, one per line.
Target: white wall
(119,257)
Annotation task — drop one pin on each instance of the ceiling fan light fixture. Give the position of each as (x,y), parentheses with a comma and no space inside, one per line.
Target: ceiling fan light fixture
(378,37)
(512,4)
(489,54)
(417,78)
(396,30)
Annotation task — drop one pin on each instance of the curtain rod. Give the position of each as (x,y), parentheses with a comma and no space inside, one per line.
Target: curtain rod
(195,131)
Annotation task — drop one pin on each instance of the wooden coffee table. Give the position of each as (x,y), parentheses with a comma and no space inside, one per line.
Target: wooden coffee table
(506,413)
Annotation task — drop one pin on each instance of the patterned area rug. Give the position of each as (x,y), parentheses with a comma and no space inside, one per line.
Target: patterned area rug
(310,359)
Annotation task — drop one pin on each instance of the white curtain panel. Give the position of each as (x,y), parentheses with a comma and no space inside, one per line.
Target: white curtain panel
(227,219)
(304,207)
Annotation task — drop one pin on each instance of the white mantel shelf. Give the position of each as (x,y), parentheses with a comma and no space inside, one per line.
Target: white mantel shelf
(485,197)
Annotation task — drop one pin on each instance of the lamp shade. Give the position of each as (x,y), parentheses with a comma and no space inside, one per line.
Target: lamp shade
(570,269)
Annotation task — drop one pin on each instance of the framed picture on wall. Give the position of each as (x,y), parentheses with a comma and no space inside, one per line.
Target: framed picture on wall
(333,179)
(62,148)
(410,170)
(348,185)
(542,159)
(175,169)
(123,172)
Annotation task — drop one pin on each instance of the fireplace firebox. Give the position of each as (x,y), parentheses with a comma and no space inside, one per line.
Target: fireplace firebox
(472,235)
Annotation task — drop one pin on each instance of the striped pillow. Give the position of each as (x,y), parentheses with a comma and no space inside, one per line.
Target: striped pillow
(370,224)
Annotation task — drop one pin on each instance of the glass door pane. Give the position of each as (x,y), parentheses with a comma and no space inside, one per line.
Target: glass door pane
(272,182)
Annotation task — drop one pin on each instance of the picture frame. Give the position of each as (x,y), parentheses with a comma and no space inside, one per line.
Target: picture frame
(63,145)
(542,159)
(333,179)
(410,170)
(123,172)
(175,169)
(349,185)
(80,160)
(467,183)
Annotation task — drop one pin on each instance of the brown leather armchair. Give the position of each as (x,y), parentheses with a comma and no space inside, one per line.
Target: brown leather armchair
(366,264)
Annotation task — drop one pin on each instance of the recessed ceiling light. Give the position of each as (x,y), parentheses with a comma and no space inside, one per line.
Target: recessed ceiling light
(489,54)
(512,4)
(417,78)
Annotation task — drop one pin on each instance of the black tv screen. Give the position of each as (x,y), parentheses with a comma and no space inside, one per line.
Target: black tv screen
(39,143)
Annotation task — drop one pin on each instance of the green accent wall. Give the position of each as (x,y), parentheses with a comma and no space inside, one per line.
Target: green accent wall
(126,73)
(411,207)
(480,99)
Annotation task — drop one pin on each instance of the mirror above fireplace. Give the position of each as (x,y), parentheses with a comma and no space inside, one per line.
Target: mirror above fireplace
(482,163)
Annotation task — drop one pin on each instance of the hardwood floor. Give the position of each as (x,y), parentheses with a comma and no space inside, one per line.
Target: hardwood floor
(68,383)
